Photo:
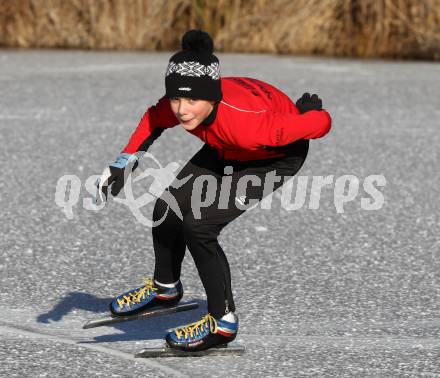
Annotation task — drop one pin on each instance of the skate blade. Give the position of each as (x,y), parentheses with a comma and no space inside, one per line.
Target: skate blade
(166,351)
(108,320)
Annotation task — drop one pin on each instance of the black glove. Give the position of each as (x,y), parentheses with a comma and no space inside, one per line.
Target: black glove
(307,103)
(114,174)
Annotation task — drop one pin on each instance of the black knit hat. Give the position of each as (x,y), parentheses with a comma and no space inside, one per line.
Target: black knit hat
(194,72)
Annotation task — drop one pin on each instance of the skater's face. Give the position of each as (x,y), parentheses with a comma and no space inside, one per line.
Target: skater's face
(190,112)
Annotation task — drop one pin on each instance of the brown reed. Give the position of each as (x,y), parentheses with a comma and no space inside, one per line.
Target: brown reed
(355,28)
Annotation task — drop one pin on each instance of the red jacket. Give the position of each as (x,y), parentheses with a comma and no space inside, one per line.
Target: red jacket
(251,117)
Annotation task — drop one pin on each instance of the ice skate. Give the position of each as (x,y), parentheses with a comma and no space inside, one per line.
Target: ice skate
(144,302)
(204,334)
(206,337)
(145,297)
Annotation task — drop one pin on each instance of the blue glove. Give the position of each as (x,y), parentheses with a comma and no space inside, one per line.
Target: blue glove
(114,174)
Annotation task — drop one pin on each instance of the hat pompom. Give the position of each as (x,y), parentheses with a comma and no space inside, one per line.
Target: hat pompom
(197,40)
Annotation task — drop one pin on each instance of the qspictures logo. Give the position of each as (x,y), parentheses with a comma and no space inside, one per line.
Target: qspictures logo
(296,193)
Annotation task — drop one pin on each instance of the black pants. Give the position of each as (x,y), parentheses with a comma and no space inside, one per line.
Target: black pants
(198,230)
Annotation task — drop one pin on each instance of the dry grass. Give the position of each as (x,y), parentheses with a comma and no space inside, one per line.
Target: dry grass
(363,28)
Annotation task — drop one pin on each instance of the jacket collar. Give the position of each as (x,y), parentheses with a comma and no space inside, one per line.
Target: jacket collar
(211,118)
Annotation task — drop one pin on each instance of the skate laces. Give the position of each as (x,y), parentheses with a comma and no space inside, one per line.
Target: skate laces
(137,295)
(208,321)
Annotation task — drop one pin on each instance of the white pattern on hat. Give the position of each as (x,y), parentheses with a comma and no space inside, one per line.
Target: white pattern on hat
(194,69)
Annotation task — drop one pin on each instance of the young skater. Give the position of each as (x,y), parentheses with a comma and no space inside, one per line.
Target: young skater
(249,128)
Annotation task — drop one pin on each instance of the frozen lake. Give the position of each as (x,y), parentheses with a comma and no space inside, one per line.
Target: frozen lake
(318,291)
